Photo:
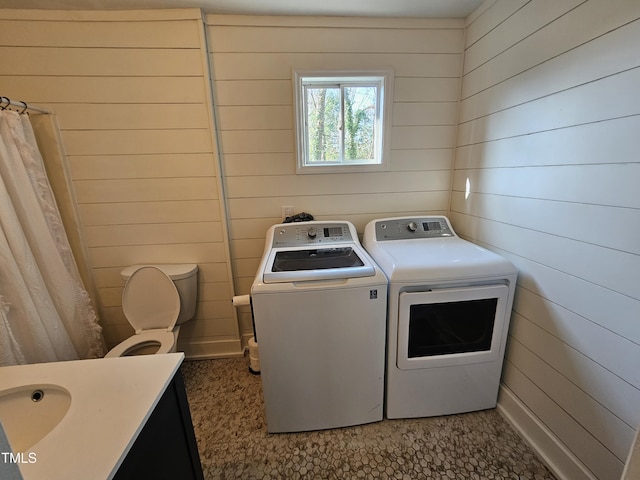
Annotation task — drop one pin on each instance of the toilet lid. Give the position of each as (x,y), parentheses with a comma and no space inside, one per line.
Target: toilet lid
(150,300)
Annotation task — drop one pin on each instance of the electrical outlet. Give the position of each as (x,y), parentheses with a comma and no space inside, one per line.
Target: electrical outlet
(286,212)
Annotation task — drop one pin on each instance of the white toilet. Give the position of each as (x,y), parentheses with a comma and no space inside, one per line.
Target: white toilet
(156,300)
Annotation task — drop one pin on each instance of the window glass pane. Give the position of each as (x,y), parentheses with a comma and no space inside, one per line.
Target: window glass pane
(359,123)
(323,122)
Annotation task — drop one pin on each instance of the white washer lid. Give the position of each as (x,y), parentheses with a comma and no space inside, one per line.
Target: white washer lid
(150,300)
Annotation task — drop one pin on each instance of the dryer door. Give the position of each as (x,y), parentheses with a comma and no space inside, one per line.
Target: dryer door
(453,326)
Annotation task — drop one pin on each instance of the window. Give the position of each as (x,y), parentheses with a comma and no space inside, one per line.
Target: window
(341,119)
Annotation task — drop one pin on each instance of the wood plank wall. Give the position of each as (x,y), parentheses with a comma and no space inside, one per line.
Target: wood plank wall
(132,96)
(548,141)
(253,59)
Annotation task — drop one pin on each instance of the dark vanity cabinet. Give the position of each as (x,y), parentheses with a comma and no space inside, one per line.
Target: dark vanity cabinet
(166,447)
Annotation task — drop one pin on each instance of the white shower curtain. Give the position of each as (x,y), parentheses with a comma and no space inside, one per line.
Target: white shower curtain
(46,315)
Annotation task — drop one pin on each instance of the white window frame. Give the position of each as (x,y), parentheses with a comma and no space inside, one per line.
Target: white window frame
(382,77)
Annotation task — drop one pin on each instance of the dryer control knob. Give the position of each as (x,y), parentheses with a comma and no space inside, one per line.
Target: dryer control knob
(312,232)
(412,226)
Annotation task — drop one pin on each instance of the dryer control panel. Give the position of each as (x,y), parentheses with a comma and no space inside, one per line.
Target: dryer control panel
(413,227)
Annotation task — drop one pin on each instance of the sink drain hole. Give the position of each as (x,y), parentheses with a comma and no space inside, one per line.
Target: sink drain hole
(37,395)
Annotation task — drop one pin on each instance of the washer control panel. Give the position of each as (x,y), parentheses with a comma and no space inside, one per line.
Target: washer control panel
(310,233)
(410,227)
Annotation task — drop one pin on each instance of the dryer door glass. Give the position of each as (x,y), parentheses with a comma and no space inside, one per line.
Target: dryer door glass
(451,326)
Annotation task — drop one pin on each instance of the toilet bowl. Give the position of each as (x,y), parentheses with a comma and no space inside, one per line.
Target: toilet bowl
(156,300)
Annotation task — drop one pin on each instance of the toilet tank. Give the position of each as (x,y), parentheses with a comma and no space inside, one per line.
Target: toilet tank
(185,278)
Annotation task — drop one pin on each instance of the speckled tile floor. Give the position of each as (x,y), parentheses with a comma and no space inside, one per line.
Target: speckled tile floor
(227,411)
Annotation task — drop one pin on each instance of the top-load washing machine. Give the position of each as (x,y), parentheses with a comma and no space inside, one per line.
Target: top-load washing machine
(319,306)
(448,316)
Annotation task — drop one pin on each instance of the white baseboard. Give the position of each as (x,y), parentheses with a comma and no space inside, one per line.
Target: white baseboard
(212,349)
(563,464)
(245,340)
(632,467)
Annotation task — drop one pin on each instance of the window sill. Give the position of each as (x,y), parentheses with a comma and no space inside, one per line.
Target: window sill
(361,168)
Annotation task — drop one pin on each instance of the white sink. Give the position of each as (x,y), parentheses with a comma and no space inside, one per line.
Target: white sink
(29,412)
(86,417)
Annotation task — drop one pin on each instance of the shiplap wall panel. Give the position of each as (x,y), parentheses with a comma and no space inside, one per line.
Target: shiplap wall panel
(617,183)
(611,269)
(589,301)
(577,295)
(545,171)
(413,113)
(253,59)
(49,91)
(137,142)
(421,159)
(121,213)
(213,277)
(265,117)
(578,335)
(608,54)
(100,116)
(273,163)
(386,204)
(563,359)
(144,190)
(131,90)
(129,166)
(597,143)
(345,184)
(256,117)
(104,61)
(592,415)
(274,39)
(254,92)
(571,220)
(279,163)
(588,21)
(258,141)
(231,66)
(428,136)
(97,33)
(123,256)
(592,102)
(150,234)
(506,34)
(413,89)
(488,18)
(567,427)
(316,21)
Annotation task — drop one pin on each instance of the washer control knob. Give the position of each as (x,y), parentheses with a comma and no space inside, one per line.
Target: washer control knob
(312,232)
(412,226)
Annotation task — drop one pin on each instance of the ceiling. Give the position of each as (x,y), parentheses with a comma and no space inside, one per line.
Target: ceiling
(375,8)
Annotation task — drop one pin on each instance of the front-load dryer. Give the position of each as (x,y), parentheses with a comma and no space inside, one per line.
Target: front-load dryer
(448,316)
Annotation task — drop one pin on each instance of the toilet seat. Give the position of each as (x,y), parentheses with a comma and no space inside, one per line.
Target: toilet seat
(151,304)
(165,340)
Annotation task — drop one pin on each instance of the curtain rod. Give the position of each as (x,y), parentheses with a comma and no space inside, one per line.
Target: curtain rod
(6,102)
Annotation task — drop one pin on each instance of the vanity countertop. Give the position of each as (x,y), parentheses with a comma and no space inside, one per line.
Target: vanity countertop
(111,400)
